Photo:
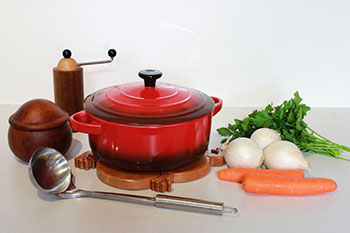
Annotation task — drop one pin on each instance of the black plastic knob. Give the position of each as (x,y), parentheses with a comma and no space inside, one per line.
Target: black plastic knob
(150,77)
(67,53)
(112,53)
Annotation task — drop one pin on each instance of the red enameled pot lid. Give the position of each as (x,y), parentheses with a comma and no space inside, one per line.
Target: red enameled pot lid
(148,100)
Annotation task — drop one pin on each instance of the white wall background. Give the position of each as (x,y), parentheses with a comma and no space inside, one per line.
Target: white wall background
(249,53)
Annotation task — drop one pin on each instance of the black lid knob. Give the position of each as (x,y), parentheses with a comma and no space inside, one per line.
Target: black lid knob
(67,53)
(150,77)
(112,53)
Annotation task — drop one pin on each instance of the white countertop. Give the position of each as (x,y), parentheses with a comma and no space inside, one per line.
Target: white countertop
(24,209)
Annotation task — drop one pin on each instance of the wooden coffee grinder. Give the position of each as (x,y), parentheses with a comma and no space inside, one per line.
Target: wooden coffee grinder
(69,82)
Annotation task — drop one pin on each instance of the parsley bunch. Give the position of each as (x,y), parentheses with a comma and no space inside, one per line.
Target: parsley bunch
(287,120)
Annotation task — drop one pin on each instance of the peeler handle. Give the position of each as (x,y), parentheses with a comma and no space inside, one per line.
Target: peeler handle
(190,204)
(160,200)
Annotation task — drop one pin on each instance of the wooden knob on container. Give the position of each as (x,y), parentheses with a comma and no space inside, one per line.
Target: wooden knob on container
(67,63)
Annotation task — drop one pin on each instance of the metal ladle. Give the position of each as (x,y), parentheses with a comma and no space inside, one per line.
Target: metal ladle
(50,173)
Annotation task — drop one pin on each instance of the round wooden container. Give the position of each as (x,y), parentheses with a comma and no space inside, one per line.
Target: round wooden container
(38,123)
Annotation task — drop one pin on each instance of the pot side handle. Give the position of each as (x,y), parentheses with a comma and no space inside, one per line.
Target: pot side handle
(218,105)
(79,122)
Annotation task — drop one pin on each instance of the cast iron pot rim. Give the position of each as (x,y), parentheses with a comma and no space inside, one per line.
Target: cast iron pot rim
(94,111)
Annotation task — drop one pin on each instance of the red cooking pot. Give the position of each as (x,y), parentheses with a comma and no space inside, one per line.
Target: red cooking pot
(145,126)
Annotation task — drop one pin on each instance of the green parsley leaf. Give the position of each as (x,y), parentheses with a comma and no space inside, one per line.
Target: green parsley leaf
(288,120)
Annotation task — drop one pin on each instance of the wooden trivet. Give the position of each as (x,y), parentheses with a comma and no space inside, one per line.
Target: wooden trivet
(156,181)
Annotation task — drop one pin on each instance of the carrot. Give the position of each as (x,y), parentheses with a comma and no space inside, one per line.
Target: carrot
(283,185)
(238,174)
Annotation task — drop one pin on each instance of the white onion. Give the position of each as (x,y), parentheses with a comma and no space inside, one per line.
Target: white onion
(265,136)
(243,153)
(284,155)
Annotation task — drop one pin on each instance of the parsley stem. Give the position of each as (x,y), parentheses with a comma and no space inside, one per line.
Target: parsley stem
(327,140)
(314,132)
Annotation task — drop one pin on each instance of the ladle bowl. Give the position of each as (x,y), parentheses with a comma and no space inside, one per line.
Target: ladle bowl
(49,171)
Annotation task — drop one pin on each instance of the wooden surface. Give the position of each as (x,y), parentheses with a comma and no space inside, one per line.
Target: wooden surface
(69,89)
(122,179)
(216,158)
(86,160)
(157,181)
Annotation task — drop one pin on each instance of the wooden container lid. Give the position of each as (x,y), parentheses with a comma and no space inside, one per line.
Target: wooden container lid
(38,114)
